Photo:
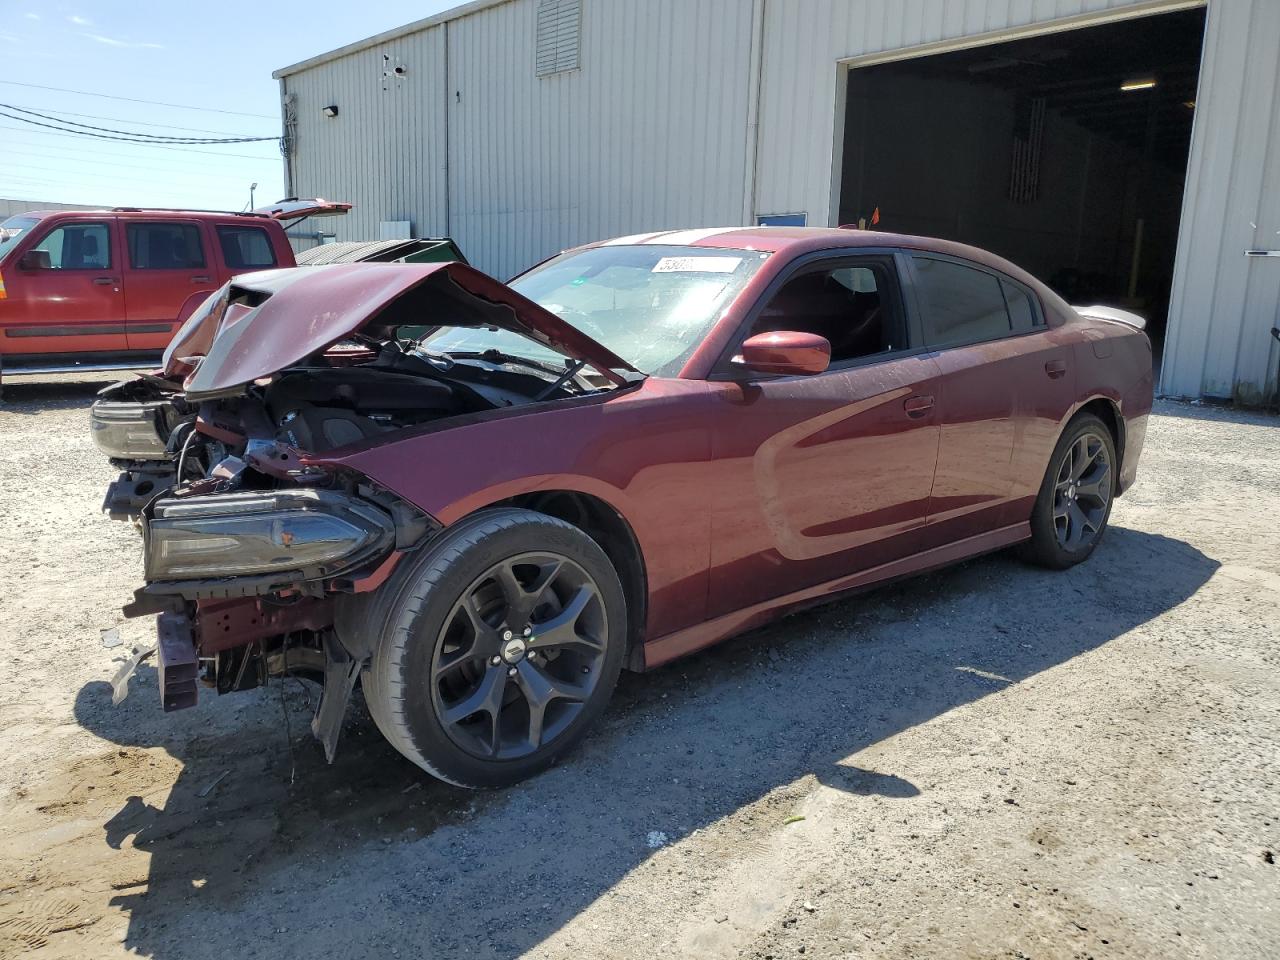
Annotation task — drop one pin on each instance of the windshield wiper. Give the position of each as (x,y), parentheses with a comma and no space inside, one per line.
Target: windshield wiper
(497,356)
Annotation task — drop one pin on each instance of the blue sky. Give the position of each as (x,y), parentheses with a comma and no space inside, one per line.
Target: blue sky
(217,57)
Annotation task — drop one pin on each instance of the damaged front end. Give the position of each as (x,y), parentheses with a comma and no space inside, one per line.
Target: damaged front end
(260,557)
(248,577)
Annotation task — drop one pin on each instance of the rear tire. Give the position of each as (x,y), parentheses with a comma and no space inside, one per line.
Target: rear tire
(500,650)
(1074,504)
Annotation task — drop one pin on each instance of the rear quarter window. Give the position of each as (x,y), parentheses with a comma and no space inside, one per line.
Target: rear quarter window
(1022,311)
(246,248)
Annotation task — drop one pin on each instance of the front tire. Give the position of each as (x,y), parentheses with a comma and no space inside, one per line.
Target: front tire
(1074,504)
(500,650)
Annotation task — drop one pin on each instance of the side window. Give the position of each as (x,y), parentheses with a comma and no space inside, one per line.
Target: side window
(246,248)
(164,246)
(1021,310)
(960,304)
(77,246)
(853,305)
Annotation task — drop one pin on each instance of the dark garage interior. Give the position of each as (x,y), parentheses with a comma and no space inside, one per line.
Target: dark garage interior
(1066,153)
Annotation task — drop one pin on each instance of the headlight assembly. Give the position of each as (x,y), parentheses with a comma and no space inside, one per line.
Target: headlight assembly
(314,533)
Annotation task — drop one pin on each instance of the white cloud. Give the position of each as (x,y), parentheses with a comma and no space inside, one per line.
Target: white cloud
(80,21)
(32,16)
(114,42)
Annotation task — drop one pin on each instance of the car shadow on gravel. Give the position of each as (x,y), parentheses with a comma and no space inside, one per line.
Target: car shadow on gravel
(369,855)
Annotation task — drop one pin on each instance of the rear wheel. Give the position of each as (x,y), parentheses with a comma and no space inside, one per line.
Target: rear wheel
(1074,503)
(502,648)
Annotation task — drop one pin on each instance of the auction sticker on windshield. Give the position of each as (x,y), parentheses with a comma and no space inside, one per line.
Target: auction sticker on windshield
(697,265)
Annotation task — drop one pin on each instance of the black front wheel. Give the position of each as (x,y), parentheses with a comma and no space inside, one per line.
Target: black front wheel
(501,649)
(1074,503)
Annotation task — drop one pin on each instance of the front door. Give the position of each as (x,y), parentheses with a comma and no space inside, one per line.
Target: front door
(65,293)
(826,475)
(168,263)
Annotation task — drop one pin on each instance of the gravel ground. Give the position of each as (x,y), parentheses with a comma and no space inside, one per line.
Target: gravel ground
(991,761)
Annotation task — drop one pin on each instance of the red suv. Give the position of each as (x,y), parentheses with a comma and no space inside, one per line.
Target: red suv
(106,289)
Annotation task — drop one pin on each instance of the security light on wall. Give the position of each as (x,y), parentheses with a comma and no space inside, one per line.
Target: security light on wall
(330,111)
(1138,83)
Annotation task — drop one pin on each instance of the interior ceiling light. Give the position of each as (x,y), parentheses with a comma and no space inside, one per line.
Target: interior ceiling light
(1139,83)
(1189,104)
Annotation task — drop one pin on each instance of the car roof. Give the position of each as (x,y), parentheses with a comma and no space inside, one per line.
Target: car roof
(795,241)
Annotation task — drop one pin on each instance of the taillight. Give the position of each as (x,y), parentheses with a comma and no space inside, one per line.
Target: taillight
(2,293)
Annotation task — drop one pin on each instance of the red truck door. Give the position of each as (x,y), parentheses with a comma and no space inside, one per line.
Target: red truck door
(167,263)
(65,294)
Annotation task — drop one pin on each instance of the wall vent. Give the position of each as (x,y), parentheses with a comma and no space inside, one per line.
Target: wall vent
(559,34)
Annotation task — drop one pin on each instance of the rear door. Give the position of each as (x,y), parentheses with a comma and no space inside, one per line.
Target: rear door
(64,293)
(167,263)
(1001,376)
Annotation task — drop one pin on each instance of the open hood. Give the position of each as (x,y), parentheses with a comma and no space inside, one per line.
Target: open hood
(292,208)
(262,322)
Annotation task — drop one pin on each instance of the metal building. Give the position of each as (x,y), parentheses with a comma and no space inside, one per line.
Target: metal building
(1125,150)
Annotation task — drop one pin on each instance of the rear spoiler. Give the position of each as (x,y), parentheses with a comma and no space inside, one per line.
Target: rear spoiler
(1112,314)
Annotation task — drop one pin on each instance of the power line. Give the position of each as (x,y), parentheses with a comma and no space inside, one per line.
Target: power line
(24,115)
(159,146)
(140,123)
(154,103)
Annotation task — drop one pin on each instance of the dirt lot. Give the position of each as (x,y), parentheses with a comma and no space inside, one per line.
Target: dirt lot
(993,761)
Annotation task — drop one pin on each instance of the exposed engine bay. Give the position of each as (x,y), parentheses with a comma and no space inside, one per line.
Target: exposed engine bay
(163,440)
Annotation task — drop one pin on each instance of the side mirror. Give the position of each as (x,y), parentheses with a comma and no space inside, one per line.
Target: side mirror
(35,260)
(786,352)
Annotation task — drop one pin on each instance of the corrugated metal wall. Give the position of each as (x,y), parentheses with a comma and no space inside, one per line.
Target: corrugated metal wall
(660,129)
(536,164)
(620,146)
(384,152)
(1223,304)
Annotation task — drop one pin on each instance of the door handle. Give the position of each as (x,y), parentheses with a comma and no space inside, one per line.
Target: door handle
(202,279)
(917,406)
(104,281)
(1055,368)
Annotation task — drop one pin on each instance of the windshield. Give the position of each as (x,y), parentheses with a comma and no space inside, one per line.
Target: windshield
(651,305)
(12,229)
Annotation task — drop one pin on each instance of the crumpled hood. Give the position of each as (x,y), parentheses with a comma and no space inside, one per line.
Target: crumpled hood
(262,322)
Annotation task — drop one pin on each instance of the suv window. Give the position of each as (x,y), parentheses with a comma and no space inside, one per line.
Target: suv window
(960,304)
(246,247)
(77,246)
(164,246)
(852,305)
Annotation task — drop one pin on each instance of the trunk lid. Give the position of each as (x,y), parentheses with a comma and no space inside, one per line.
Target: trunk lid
(262,322)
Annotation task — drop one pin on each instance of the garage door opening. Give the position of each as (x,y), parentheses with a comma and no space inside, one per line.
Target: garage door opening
(1066,153)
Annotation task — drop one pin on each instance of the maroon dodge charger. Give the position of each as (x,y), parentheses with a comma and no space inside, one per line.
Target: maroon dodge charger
(483,500)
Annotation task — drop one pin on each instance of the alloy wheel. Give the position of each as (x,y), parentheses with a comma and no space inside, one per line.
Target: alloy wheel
(518,656)
(1082,492)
